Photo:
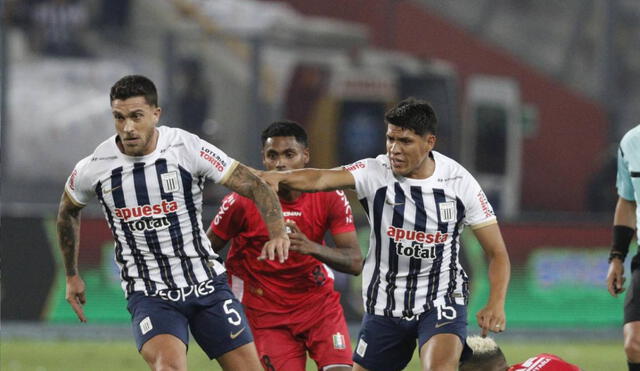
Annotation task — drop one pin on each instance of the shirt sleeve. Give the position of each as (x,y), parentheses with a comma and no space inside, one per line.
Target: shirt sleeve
(340,215)
(213,163)
(478,210)
(623,178)
(368,174)
(229,220)
(79,186)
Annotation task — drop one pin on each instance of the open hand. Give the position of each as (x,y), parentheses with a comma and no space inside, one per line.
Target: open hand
(277,246)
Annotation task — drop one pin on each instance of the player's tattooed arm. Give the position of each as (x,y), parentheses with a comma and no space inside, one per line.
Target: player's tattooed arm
(244,181)
(68,225)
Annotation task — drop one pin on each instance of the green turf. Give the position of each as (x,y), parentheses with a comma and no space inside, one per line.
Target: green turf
(122,356)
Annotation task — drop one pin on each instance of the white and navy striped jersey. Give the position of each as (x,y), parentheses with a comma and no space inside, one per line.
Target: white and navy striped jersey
(413,260)
(153,205)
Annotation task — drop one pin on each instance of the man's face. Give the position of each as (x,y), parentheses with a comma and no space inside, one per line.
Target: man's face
(284,153)
(135,124)
(408,151)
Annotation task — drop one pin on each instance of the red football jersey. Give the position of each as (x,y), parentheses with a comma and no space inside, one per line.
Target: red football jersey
(544,362)
(269,285)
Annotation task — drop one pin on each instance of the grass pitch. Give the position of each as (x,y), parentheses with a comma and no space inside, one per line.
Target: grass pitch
(61,355)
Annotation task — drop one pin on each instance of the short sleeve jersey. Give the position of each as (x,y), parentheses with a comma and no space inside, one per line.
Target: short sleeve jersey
(413,261)
(270,285)
(153,206)
(544,362)
(628,178)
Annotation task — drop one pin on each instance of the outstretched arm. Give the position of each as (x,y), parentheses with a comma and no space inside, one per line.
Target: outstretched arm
(624,224)
(492,317)
(310,180)
(345,257)
(243,181)
(68,225)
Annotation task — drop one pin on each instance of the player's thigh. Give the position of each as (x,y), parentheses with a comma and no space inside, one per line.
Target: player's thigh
(384,343)
(218,323)
(278,349)
(443,328)
(242,358)
(327,336)
(165,351)
(441,352)
(153,316)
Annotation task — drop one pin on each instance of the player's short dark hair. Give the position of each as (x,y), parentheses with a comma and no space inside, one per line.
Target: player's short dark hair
(285,128)
(135,86)
(414,114)
(487,355)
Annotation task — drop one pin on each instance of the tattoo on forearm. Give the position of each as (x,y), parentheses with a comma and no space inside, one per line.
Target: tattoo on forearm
(247,184)
(68,226)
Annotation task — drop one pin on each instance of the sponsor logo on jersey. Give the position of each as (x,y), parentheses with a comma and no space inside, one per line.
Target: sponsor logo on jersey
(137,212)
(104,158)
(399,234)
(72,180)
(181,294)
(148,224)
(416,250)
(347,207)
(484,203)
(291,213)
(355,166)
(171,146)
(213,158)
(414,244)
(226,204)
(457,177)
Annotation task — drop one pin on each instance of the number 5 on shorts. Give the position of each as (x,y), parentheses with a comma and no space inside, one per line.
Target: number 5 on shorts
(234,317)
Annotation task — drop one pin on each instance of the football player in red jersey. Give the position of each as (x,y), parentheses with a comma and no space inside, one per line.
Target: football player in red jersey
(487,356)
(292,307)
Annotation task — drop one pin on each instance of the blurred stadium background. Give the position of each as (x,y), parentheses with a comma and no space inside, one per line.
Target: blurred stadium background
(532,97)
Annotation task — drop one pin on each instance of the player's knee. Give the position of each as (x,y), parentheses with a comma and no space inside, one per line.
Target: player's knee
(440,364)
(632,347)
(165,361)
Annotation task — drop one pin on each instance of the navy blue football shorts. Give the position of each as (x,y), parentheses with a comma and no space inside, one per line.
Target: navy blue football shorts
(209,309)
(388,343)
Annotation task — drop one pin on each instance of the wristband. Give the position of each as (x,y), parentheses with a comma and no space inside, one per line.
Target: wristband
(622,236)
(615,255)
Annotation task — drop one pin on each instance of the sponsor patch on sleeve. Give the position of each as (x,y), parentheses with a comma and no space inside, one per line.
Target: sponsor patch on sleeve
(355,166)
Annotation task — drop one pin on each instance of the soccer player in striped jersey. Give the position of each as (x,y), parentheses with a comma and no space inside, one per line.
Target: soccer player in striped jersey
(149,181)
(625,227)
(417,201)
(292,307)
